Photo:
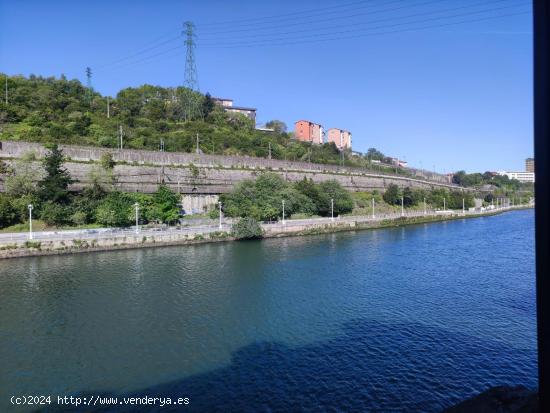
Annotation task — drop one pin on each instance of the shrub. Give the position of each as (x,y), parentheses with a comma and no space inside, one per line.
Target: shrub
(54,214)
(107,162)
(115,210)
(247,228)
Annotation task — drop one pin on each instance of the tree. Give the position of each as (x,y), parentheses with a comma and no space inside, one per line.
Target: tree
(343,202)
(8,214)
(313,193)
(375,154)
(277,125)
(392,195)
(165,205)
(409,198)
(54,186)
(208,105)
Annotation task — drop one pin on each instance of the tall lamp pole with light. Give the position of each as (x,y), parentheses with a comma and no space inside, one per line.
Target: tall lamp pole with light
(30,220)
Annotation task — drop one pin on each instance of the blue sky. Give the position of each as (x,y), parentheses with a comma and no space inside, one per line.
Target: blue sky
(439,83)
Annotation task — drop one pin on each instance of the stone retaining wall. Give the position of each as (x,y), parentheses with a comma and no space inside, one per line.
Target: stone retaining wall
(142,171)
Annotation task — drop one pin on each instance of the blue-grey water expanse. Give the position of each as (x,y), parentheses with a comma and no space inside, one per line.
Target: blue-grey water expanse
(404,319)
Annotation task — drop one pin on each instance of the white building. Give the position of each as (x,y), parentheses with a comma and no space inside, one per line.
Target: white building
(520,176)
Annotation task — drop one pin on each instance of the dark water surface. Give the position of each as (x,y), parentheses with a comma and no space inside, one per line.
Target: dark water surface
(407,319)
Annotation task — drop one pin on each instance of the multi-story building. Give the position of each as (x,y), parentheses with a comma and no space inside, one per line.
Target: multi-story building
(530,165)
(228,106)
(340,137)
(307,131)
(398,162)
(520,176)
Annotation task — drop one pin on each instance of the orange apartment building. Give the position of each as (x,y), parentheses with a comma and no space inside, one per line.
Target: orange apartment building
(307,131)
(340,137)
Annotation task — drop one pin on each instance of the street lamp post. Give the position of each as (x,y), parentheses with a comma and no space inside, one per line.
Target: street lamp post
(220,208)
(136,206)
(424,206)
(332,209)
(444,206)
(30,220)
(463,209)
(283,211)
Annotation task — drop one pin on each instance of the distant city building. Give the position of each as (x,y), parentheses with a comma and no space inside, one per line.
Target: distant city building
(520,176)
(340,137)
(228,106)
(307,131)
(530,165)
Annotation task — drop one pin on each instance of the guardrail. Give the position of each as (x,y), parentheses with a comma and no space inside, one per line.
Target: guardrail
(121,233)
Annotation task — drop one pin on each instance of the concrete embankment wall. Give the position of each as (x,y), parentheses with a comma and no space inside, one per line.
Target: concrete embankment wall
(142,171)
(22,249)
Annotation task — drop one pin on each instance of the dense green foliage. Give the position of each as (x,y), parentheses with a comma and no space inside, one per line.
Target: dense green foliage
(50,110)
(262,199)
(436,197)
(246,228)
(489,178)
(98,204)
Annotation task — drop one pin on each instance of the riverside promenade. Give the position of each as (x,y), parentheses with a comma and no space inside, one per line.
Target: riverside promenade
(21,244)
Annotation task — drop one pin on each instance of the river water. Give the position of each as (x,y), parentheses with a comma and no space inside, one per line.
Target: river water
(405,319)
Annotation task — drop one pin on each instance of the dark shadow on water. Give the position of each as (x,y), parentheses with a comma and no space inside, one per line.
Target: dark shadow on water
(370,366)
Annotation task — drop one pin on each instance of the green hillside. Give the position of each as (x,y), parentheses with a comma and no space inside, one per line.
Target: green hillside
(51,110)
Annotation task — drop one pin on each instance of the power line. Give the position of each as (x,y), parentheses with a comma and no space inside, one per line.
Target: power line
(361,33)
(278,16)
(380,20)
(331,17)
(317,39)
(155,43)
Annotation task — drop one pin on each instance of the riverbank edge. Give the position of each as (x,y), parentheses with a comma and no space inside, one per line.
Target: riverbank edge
(81,246)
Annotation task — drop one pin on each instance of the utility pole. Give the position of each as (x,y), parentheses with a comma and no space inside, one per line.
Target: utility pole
(283,211)
(463,209)
(120,135)
(89,92)
(198,149)
(373,207)
(331,209)
(108,108)
(424,206)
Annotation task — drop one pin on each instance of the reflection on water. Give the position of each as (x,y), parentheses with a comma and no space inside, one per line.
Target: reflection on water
(403,319)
